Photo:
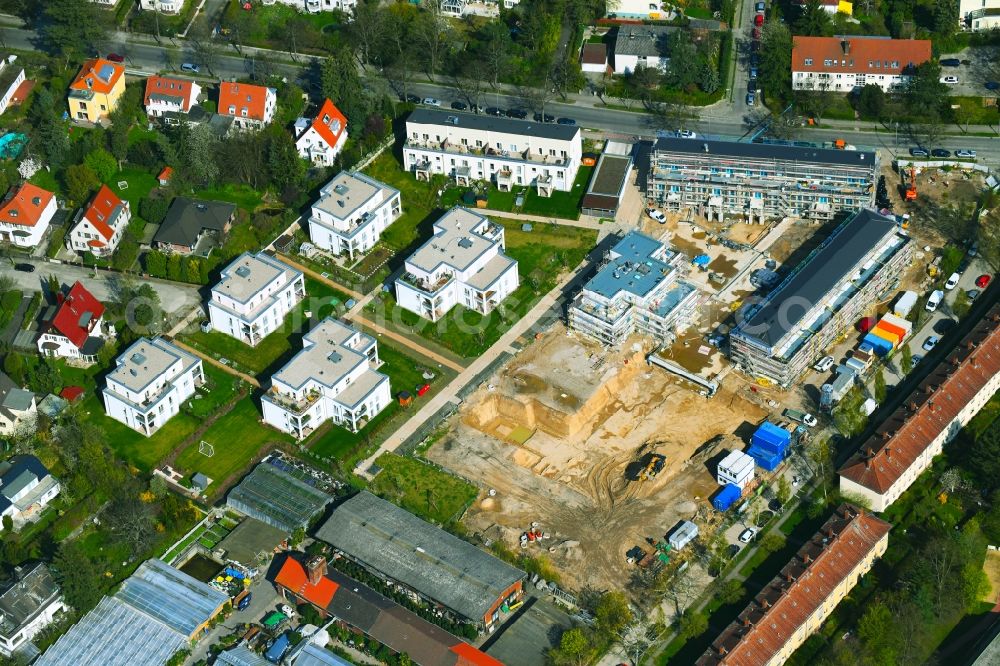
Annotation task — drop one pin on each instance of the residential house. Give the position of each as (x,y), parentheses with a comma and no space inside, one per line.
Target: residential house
(170,98)
(150,382)
(642,46)
(194,225)
(76,329)
(346,6)
(17,407)
(250,106)
(162,6)
(321,139)
(352,212)
(462,264)
(26,488)
(30,600)
(612,176)
(106,4)
(798,600)
(99,227)
(95,91)
(11,78)
(594,59)
(470,147)
(253,296)
(833,6)
(905,443)
(639,287)
(978,15)
(639,9)
(157,612)
(334,377)
(844,64)
(25,214)
(469,583)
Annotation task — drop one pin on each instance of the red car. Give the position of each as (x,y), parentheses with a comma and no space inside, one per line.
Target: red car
(116,57)
(983,280)
(758,20)
(756,33)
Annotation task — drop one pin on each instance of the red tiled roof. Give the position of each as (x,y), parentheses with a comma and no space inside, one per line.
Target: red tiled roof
(293,577)
(25,205)
(170,87)
(859,55)
(762,630)
(103,207)
(931,408)
(166,174)
(101,74)
(330,123)
(470,656)
(594,54)
(76,315)
(242,95)
(71,393)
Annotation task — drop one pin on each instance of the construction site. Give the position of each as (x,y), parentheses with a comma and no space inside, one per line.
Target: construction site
(593,449)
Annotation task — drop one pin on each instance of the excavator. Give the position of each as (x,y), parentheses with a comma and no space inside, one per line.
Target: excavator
(653,467)
(911,191)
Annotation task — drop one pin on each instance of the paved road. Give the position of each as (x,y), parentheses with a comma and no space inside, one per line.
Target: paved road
(174,297)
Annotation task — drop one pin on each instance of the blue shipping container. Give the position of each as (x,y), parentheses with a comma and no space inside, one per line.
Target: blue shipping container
(881,345)
(726,497)
(771,438)
(766,460)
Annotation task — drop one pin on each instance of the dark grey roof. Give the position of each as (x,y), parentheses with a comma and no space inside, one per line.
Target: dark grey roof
(277,497)
(433,562)
(250,538)
(493,124)
(31,591)
(643,40)
(839,254)
(767,151)
(187,218)
(17,473)
(91,346)
(13,397)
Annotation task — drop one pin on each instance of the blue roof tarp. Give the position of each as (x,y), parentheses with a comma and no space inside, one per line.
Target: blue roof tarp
(771,438)
(766,460)
(881,345)
(726,497)
(702,260)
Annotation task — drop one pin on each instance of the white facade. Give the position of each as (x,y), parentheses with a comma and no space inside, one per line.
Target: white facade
(250,106)
(253,296)
(169,95)
(46,615)
(27,235)
(13,76)
(26,488)
(162,6)
(99,227)
(352,212)
(317,5)
(846,82)
(151,381)
(29,601)
(315,148)
(735,468)
(979,15)
(334,377)
(641,9)
(18,408)
(463,264)
(469,147)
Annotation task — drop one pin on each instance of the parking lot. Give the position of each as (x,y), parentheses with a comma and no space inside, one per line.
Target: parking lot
(977,67)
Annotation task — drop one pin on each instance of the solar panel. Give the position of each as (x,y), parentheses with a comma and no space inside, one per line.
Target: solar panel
(106,72)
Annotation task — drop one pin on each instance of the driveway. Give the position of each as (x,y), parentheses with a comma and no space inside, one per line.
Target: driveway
(265,599)
(174,297)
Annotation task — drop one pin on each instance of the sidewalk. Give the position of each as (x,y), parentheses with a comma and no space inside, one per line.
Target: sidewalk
(356,295)
(225,368)
(354,315)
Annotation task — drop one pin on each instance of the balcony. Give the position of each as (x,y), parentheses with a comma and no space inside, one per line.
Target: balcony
(291,403)
(526,155)
(428,287)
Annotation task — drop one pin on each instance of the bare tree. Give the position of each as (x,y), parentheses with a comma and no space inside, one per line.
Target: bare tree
(496,53)
(535,98)
(367,29)
(131,520)
(681,591)
(468,84)
(432,31)
(203,49)
(951,480)
(637,637)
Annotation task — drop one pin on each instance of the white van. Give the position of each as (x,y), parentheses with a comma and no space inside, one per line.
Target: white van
(952,281)
(934,300)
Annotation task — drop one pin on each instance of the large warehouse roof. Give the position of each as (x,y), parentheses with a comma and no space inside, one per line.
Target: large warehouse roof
(407,549)
(276,494)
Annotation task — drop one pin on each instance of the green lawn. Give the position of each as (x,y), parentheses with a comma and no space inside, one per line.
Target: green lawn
(46,180)
(320,299)
(419,198)
(236,437)
(146,452)
(219,388)
(560,204)
(140,184)
(240,195)
(422,489)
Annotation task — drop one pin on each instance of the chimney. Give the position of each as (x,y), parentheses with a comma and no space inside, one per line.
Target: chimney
(846,46)
(870,452)
(315,569)
(913,406)
(721,651)
(888,452)
(764,603)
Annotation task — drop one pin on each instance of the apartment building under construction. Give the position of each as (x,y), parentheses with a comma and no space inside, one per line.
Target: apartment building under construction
(779,336)
(760,180)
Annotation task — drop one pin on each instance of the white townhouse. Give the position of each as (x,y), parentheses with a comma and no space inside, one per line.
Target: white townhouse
(99,227)
(352,212)
(11,78)
(26,488)
(333,377)
(844,64)
(976,15)
(29,601)
(462,264)
(253,296)
(151,381)
(470,147)
(311,6)
(25,215)
(321,139)
(166,95)
(162,6)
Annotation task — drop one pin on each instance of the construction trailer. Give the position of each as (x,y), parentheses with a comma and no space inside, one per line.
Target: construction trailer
(769,445)
(736,468)
(728,496)
(683,534)
(904,304)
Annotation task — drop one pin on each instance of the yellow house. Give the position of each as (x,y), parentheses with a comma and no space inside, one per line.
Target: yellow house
(95,91)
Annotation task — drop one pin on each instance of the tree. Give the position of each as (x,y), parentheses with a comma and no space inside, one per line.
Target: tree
(431,30)
(367,30)
(102,163)
(776,61)
(612,612)
(339,81)
(946,17)
(925,94)
(131,520)
(879,389)
(784,490)
(961,305)
(906,360)
(199,157)
(71,28)
(709,78)
(50,134)
(16,367)
(81,182)
(731,591)
(574,648)
(79,579)
(813,21)
(820,456)
(692,624)
(871,101)
(951,480)
(814,102)
(497,47)
(203,48)
(773,541)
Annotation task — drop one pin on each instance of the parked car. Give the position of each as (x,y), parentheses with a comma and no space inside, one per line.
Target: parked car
(752,85)
(930,343)
(759,7)
(733,550)
(934,300)
(983,280)
(992,85)
(747,535)
(758,20)
(24,268)
(459,106)
(972,294)
(753,72)
(919,152)
(823,364)
(940,152)
(949,62)
(656,215)
(190,67)
(751,99)
(566,121)
(942,326)
(539,118)
(116,57)
(412,99)
(686,134)
(754,60)
(950,80)
(965,153)
(952,281)
(494,111)
(519,114)
(431,101)
(917,358)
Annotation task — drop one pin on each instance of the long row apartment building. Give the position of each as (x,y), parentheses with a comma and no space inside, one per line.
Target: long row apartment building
(779,336)
(759,180)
